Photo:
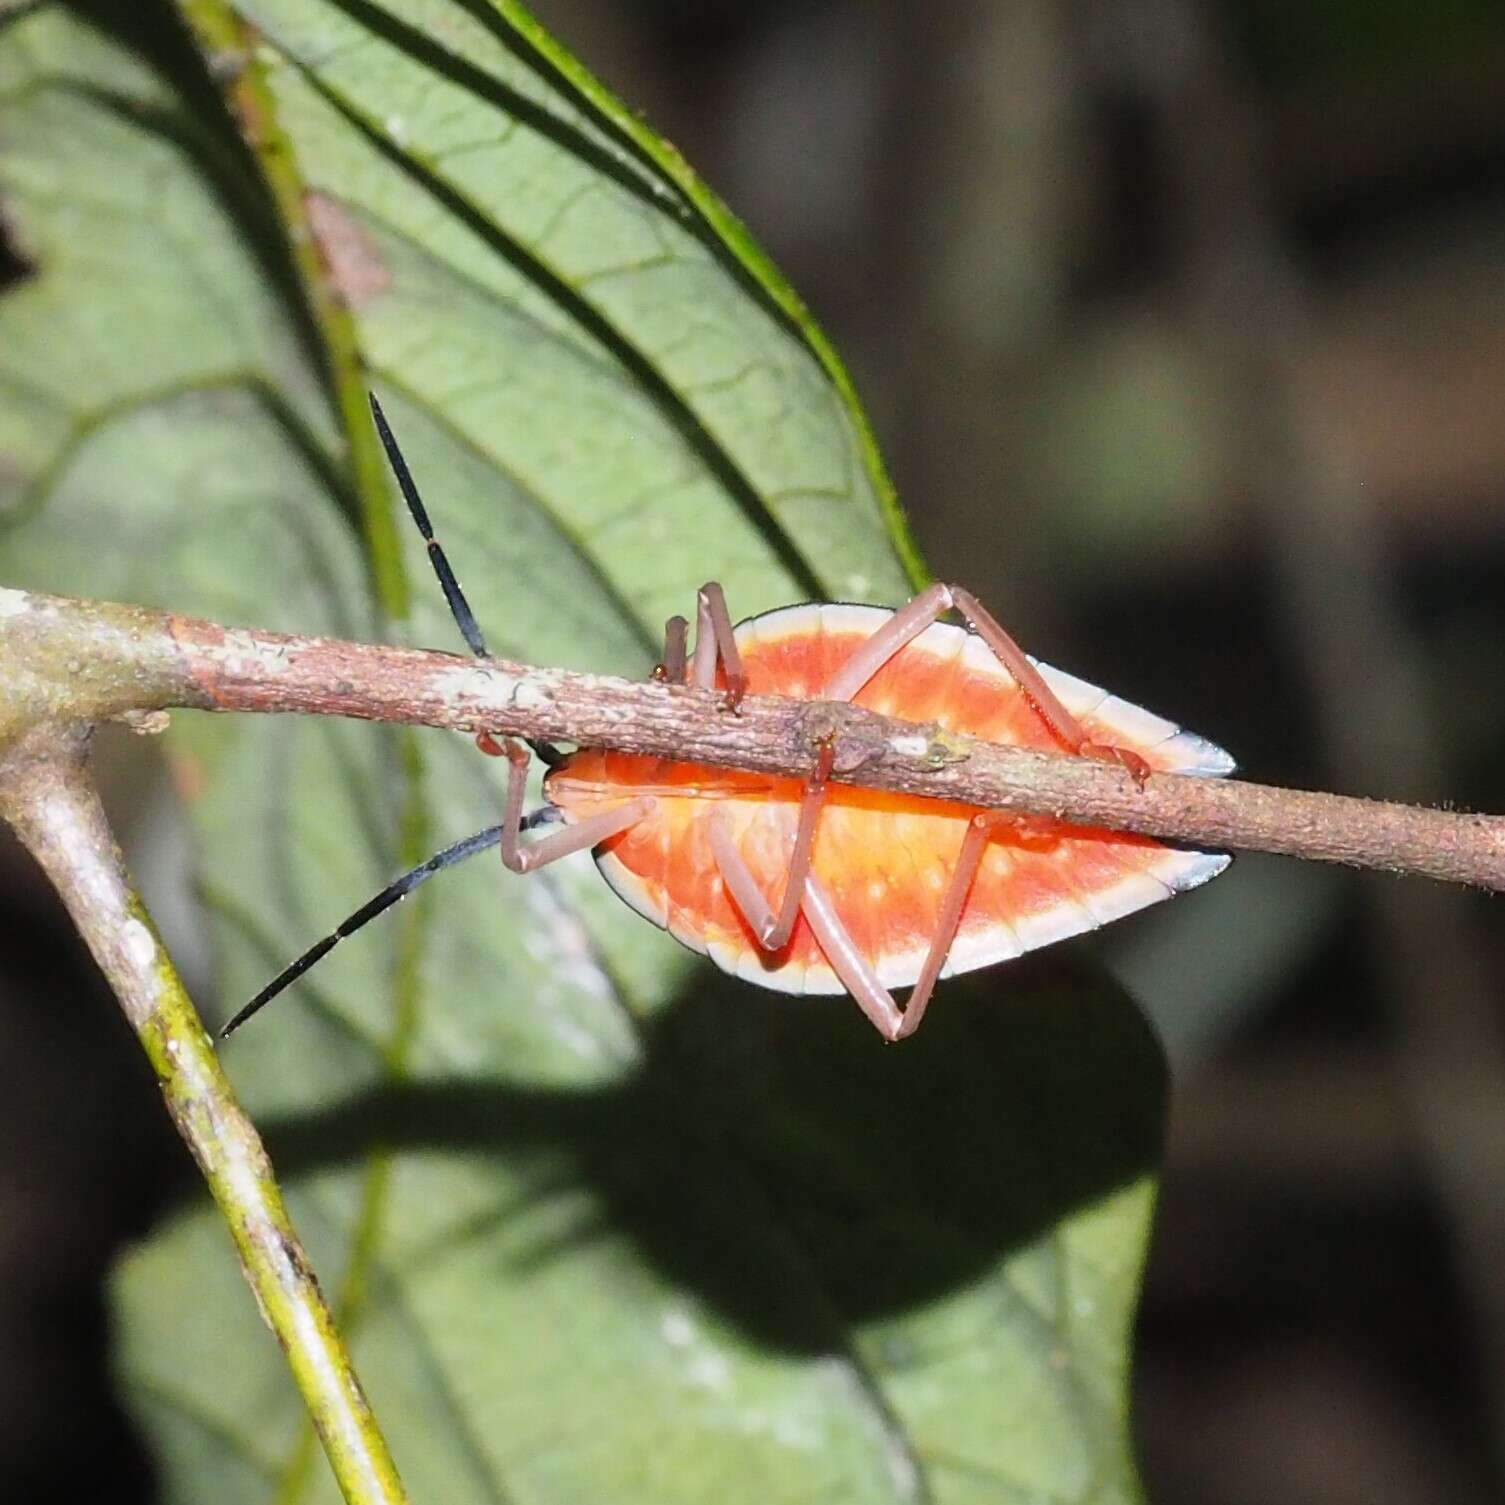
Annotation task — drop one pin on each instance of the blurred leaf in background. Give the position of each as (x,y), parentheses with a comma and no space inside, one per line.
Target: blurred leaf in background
(603,1226)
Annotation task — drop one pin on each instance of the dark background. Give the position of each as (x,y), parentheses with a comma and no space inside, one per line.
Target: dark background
(1183,327)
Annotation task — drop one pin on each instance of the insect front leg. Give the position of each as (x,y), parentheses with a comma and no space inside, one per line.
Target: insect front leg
(715,640)
(672,668)
(590,832)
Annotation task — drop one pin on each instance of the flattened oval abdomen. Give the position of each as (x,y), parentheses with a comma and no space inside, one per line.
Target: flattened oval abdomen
(886,859)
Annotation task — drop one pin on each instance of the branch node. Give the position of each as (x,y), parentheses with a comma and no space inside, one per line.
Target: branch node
(145,723)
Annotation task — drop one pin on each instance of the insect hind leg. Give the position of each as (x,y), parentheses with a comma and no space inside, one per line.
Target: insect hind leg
(910,621)
(856,971)
(1044,701)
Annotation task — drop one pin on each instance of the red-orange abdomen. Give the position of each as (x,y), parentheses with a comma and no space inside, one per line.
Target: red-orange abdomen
(885,858)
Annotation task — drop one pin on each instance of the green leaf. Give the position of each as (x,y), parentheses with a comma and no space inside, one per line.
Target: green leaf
(605,1226)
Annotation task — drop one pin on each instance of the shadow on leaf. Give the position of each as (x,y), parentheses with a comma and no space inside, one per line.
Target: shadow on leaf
(775,1158)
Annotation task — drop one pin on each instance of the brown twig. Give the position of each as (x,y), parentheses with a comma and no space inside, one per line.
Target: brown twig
(91,660)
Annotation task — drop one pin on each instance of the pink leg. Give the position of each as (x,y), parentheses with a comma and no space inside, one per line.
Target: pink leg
(910,621)
(773,931)
(848,963)
(590,832)
(906,624)
(671,668)
(1064,727)
(974,844)
(715,639)
(857,973)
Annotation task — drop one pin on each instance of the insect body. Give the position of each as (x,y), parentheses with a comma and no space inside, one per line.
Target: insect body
(886,871)
(811,887)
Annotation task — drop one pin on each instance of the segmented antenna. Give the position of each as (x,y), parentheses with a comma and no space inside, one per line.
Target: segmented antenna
(482,841)
(459,607)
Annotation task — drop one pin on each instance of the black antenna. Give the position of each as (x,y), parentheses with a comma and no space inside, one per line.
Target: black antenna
(397,890)
(459,607)
(482,841)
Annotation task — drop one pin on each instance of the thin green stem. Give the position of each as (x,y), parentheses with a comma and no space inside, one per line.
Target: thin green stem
(229,48)
(228,45)
(349,1308)
(355,1284)
(47,795)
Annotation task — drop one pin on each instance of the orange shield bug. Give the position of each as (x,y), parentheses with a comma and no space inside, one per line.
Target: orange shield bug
(806,886)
